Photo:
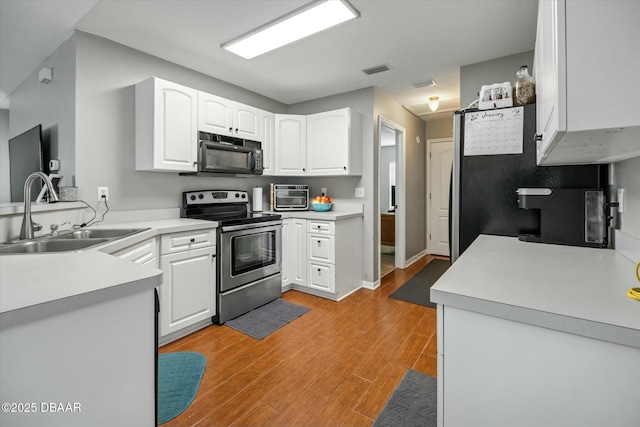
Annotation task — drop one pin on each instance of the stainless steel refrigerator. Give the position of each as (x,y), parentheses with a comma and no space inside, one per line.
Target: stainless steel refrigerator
(483,197)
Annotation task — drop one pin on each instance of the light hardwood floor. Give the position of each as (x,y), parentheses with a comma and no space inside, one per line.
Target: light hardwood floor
(335,366)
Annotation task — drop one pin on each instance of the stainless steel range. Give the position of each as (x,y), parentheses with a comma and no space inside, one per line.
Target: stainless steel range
(249,248)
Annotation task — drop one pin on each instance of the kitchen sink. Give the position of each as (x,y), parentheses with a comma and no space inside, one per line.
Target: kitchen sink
(67,241)
(49,245)
(98,234)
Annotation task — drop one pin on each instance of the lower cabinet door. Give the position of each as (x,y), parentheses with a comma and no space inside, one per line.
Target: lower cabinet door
(187,294)
(321,276)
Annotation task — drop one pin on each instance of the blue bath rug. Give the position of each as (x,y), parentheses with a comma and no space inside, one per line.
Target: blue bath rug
(179,376)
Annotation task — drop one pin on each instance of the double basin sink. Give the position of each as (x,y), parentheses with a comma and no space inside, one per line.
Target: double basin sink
(67,241)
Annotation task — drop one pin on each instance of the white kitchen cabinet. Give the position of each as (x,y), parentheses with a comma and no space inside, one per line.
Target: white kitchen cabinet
(321,276)
(85,355)
(187,294)
(225,117)
(166,126)
(291,144)
(144,253)
(321,248)
(287,254)
(268,132)
(299,251)
(334,143)
(587,110)
(483,359)
(324,257)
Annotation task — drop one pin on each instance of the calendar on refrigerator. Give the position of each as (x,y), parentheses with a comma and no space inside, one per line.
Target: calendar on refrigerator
(492,132)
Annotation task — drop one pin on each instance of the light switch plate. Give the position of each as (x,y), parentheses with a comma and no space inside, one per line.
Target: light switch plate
(359,191)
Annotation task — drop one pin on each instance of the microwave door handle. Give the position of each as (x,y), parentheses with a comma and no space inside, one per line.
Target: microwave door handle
(252,160)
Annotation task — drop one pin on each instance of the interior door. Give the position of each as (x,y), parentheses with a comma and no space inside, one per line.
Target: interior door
(440,173)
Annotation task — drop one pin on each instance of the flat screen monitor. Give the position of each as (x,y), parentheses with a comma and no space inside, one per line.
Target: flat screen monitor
(25,157)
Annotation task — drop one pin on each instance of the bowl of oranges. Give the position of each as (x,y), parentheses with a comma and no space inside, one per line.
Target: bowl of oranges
(321,203)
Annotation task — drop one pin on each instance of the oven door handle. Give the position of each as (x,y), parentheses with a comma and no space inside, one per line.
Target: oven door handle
(224,229)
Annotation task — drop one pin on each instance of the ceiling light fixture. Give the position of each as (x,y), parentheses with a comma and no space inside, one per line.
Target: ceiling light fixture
(298,24)
(433,103)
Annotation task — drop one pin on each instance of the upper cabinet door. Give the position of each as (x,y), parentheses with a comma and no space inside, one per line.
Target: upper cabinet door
(268,132)
(246,122)
(215,114)
(587,110)
(291,144)
(166,126)
(551,82)
(334,144)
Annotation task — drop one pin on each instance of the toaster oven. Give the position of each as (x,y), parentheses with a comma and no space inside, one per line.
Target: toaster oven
(289,197)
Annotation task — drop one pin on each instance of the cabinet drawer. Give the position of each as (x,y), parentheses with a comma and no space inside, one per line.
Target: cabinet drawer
(321,276)
(324,227)
(178,242)
(145,253)
(321,248)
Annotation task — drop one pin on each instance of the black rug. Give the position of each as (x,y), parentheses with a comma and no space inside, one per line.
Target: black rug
(262,321)
(412,404)
(416,290)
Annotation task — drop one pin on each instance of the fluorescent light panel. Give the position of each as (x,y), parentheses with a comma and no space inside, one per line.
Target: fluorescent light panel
(305,21)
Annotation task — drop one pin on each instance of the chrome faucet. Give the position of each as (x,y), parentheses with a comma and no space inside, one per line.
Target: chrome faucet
(28,226)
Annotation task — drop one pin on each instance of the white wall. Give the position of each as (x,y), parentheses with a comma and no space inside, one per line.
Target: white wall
(5,187)
(387,155)
(499,70)
(52,106)
(105,132)
(627,176)
(361,102)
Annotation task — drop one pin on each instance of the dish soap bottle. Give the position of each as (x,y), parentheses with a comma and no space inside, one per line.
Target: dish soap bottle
(524,89)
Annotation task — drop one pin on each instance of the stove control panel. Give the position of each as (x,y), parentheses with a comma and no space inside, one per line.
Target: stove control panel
(216,196)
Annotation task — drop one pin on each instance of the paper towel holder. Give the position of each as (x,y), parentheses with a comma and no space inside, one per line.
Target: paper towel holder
(256,200)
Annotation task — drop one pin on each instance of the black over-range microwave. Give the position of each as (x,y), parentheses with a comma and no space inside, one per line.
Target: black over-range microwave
(226,155)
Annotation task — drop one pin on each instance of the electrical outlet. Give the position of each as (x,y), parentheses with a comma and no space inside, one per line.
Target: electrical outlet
(359,191)
(103,193)
(323,191)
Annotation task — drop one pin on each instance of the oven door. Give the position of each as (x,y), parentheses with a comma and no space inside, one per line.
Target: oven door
(248,253)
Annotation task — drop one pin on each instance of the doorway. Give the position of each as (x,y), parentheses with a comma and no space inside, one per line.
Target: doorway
(439,161)
(391,191)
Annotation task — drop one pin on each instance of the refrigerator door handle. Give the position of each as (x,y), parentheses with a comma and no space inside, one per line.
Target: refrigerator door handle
(454,235)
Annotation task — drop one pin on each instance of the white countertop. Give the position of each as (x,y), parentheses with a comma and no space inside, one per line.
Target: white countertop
(311,214)
(571,289)
(155,228)
(34,286)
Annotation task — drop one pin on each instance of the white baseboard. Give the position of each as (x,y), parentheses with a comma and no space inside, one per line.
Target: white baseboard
(415,258)
(371,285)
(184,332)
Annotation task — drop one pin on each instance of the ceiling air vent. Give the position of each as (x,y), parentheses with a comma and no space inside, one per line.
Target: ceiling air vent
(376,69)
(426,83)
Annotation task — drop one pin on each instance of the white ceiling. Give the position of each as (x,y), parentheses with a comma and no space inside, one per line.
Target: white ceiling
(418,39)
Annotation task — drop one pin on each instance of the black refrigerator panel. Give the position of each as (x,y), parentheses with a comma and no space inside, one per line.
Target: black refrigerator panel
(488,203)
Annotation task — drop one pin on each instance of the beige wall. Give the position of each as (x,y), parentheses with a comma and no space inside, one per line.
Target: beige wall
(5,187)
(415,170)
(439,125)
